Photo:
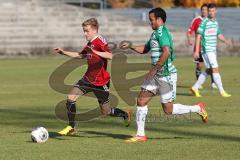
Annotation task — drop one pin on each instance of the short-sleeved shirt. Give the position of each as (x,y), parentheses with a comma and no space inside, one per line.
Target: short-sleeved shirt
(160,38)
(96,72)
(209,30)
(194,27)
(195,24)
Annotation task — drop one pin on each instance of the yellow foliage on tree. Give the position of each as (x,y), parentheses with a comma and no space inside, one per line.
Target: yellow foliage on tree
(162,3)
(198,3)
(121,3)
(170,3)
(233,3)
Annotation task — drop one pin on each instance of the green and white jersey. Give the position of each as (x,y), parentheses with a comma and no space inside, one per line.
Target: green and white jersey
(209,31)
(160,38)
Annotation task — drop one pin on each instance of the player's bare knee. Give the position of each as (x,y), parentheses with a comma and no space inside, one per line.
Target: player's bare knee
(105,112)
(141,101)
(209,71)
(215,70)
(167,111)
(105,109)
(71,98)
(167,108)
(198,66)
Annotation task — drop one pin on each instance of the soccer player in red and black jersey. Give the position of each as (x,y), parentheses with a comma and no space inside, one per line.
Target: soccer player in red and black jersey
(96,78)
(193,30)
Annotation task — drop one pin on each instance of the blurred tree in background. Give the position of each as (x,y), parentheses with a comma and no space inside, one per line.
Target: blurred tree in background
(170,3)
(121,3)
(220,3)
(162,3)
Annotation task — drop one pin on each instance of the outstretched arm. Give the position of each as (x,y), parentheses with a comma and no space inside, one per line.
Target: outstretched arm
(141,49)
(67,53)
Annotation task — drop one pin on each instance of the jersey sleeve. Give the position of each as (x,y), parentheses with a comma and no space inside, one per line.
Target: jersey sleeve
(164,40)
(201,28)
(83,51)
(147,45)
(193,27)
(104,47)
(219,30)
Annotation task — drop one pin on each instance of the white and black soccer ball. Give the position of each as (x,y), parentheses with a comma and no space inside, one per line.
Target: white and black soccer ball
(39,135)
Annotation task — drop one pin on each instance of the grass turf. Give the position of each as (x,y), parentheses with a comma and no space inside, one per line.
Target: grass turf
(27,101)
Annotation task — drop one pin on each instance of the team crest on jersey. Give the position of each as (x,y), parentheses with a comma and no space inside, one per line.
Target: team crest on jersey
(89,56)
(92,46)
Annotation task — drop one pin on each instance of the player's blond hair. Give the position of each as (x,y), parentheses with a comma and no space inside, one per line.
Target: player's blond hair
(92,22)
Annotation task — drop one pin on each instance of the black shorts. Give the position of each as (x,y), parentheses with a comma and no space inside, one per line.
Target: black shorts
(200,59)
(101,92)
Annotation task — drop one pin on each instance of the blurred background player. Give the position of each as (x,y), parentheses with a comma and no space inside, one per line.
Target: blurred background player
(162,77)
(207,34)
(96,78)
(193,30)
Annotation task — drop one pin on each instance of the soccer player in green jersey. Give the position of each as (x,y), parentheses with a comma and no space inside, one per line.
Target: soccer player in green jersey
(208,32)
(193,30)
(162,77)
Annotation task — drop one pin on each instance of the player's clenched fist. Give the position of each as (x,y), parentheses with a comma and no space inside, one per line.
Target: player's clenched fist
(58,50)
(125,45)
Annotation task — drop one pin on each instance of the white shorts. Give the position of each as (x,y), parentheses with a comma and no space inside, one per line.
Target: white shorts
(165,86)
(210,60)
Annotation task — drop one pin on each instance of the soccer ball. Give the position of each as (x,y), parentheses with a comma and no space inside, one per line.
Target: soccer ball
(39,135)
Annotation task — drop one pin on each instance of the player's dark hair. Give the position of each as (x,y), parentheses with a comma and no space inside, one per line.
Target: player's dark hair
(204,5)
(212,5)
(159,13)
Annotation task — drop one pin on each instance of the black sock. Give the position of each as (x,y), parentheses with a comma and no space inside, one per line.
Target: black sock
(212,81)
(71,111)
(116,112)
(197,72)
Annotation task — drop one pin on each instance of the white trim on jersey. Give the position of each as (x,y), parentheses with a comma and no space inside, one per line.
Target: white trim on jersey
(189,29)
(102,39)
(196,18)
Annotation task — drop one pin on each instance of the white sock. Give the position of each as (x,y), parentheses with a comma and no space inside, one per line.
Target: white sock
(140,119)
(218,82)
(201,79)
(181,109)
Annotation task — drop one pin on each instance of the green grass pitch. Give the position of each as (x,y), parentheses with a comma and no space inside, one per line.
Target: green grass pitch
(27,101)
